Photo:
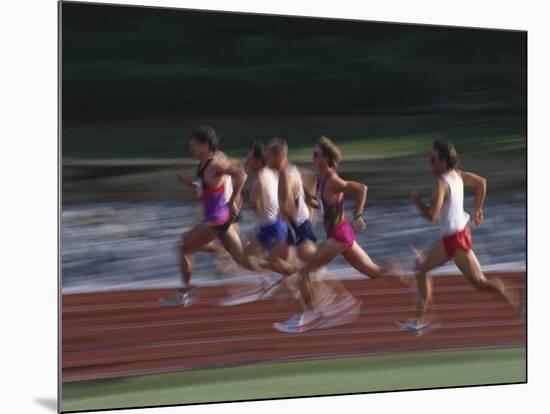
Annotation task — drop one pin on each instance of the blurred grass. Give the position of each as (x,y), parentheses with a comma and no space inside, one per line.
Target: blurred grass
(302,378)
(358,137)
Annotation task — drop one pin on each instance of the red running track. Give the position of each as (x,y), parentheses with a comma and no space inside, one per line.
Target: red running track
(118,334)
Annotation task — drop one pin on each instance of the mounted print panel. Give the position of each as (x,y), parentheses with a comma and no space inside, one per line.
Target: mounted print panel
(258,207)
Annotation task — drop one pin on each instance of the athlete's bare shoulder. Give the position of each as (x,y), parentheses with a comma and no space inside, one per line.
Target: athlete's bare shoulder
(288,175)
(472,180)
(335,183)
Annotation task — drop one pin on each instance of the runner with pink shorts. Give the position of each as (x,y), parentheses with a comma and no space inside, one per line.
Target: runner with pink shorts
(331,190)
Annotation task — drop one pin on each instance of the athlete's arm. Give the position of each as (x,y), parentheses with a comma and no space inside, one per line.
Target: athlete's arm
(480,187)
(254,199)
(355,189)
(235,162)
(187,182)
(432,212)
(351,188)
(288,208)
(238,176)
(311,200)
(309,181)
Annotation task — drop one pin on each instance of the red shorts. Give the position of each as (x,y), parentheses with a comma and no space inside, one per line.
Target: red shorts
(461,240)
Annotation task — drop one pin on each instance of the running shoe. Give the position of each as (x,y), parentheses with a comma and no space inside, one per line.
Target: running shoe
(270,287)
(308,320)
(183,298)
(247,296)
(290,322)
(419,328)
(344,312)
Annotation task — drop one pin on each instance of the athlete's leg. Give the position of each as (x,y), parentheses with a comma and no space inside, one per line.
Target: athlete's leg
(306,250)
(253,248)
(322,288)
(433,258)
(279,259)
(232,243)
(361,261)
(211,247)
(193,240)
(469,266)
(326,252)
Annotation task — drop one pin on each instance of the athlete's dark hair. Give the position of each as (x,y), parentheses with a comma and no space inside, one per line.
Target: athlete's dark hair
(446,152)
(257,149)
(206,135)
(330,151)
(278,146)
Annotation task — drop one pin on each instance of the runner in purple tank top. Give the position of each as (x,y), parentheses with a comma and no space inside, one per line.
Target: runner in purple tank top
(212,173)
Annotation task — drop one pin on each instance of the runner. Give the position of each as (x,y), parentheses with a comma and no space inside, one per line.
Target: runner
(223,260)
(456,243)
(331,190)
(212,174)
(334,301)
(273,234)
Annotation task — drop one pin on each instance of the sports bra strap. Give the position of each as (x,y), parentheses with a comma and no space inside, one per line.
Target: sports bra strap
(200,170)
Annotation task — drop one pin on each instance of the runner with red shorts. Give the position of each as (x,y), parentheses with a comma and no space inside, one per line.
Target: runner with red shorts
(456,242)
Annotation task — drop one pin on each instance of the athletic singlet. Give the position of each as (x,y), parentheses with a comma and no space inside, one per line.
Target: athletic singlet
(453,217)
(228,190)
(228,186)
(269,211)
(302,211)
(333,213)
(213,199)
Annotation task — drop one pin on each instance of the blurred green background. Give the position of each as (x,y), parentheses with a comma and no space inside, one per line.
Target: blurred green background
(136,80)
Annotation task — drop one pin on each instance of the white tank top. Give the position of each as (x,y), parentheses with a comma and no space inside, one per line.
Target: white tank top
(269,206)
(302,211)
(227,190)
(453,217)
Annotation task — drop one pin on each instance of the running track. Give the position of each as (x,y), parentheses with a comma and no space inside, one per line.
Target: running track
(118,334)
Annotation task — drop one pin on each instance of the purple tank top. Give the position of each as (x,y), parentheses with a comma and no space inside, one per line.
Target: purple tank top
(212,199)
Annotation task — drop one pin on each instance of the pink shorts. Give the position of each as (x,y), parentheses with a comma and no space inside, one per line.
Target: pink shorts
(343,232)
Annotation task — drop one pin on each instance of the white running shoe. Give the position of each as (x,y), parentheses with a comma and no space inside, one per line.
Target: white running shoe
(292,321)
(417,327)
(308,320)
(267,289)
(320,273)
(270,287)
(242,298)
(182,298)
(326,299)
(344,312)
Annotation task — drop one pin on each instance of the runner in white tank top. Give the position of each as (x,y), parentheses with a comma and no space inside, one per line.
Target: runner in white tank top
(456,243)
(453,217)
(264,200)
(268,206)
(302,210)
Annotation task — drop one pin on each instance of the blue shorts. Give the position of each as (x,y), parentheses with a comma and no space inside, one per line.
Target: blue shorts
(272,234)
(299,234)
